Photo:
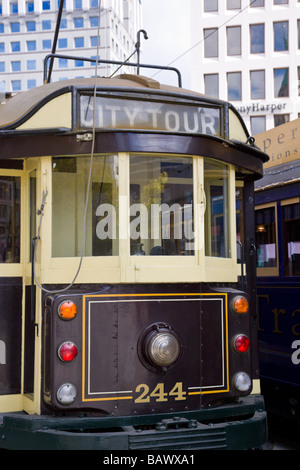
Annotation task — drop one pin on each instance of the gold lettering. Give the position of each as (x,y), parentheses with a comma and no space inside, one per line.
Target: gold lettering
(277,312)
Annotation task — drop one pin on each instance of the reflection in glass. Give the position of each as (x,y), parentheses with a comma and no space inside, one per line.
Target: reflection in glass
(234,82)
(161,206)
(10,208)
(257,38)
(69,187)
(281,42)
(257,78)
(281,82)
(265,235)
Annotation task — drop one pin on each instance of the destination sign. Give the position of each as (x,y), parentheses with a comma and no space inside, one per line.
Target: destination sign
(116,113)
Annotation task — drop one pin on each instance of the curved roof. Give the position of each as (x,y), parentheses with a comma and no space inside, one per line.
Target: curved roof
(18,106)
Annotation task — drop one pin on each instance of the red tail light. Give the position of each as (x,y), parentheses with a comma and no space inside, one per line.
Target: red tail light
(67,351)
(241,343)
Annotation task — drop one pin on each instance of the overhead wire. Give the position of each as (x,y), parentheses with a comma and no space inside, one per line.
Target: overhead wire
(210,34)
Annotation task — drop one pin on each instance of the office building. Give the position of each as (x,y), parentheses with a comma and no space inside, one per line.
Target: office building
(27,30)
(248,52)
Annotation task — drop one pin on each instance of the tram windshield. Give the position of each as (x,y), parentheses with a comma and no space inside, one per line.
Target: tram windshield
(162,195)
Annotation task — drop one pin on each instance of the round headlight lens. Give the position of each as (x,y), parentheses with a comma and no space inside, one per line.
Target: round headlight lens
(242,382)
(66,394)
(163,348)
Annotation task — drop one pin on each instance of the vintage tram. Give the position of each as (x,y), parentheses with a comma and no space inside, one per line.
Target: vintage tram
(128,312)
(277,199)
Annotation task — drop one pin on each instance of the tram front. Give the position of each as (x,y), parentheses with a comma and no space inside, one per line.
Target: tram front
(137,269)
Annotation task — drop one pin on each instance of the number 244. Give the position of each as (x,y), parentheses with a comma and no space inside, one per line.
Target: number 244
(159,393)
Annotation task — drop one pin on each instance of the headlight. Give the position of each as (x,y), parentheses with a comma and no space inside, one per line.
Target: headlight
(160,346)
(163,349)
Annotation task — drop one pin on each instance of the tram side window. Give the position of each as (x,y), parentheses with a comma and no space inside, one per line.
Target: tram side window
(69,188)
(10,208)
(291,238)
(161,205)
(239,223)
(265,228)
(216,181)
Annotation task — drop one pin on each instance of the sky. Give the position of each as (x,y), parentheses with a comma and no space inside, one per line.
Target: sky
(167,24)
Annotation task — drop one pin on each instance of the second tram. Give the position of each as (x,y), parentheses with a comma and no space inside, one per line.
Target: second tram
(128,319)
(277,199)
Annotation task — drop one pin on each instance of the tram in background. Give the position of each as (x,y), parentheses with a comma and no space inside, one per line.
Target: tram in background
(277,200)
(127,320)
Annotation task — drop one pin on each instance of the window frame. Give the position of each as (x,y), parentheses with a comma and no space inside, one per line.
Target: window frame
(130,268)
(270,271)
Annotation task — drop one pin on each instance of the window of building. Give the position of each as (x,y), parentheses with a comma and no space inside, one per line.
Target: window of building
(77,4)
(46,24)
(29,7)
(46,5)
(211,84)
(62,43)
(78,22)
(10,210)
(281,82)
(257,38)
(210,5)
(94,20)
(16,66)
(281,119)
(94,3)
(15,27)
(31,64)
(46,44)
(211,42)
(31,83)
(257,80)
(1,28)
(280,2)
(15,46)
(257,3)
(234,85)
(281,34)
(62,63)
(30,26)
(233,4)
(234,40)
(63,23)
(291,237)
(16,85)
(14,8)
(79,63)
(2,66)
(94,41)
(79,42)
(2,47)
(0,8)
(258,124)
(31,46)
